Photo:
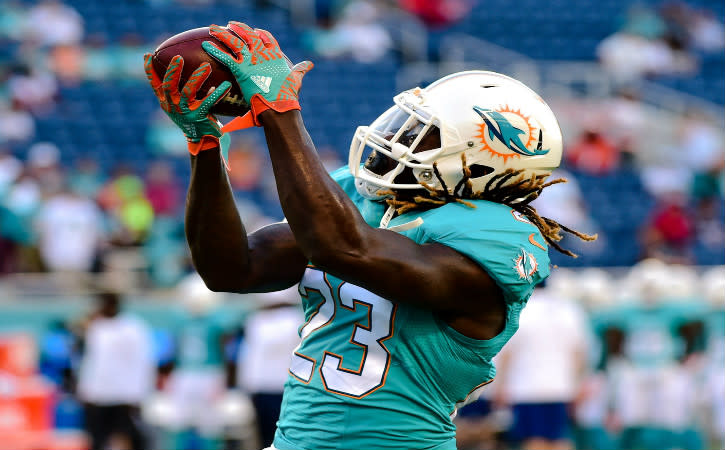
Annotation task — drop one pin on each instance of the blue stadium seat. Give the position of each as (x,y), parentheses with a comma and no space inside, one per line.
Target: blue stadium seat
(340,95)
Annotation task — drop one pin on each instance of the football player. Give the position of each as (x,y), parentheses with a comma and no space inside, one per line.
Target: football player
(413,262)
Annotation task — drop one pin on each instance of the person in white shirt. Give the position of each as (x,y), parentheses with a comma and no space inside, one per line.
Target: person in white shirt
(198,382)
(117,373)
(540,370)
(270,336)
(70,232)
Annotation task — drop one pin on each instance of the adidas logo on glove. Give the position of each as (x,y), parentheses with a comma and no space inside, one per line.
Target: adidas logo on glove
(262,82)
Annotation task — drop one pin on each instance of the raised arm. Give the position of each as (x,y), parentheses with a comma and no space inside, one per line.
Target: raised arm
(327,226)
(332,234)
(225,257)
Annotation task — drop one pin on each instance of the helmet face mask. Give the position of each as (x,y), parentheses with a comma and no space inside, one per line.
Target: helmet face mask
(495,121)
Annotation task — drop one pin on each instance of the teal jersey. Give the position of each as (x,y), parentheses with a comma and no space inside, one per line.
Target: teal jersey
(652,332)
(599,321)
(200,342)
(374,374)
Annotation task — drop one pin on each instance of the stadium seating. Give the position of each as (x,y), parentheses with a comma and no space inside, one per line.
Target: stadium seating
(109,122)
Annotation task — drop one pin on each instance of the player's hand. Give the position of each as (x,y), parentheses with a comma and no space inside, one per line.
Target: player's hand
(202,130)
(259,66)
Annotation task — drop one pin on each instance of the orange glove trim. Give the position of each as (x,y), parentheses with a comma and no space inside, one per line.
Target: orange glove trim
(239,123)
(259,105)
(205,143)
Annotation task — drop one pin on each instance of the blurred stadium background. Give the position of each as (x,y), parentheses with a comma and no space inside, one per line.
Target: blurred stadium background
(93,177)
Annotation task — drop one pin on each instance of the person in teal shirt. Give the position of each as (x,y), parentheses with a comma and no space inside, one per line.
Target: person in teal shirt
(662,326)
(198,381)
(413,262)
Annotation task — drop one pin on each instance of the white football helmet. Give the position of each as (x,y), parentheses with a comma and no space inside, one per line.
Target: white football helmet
(496,121)
(649,280)
(596,288)
(196,298)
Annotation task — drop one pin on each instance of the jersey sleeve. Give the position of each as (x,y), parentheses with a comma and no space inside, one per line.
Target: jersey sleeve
(506,245)
(371,211)
(344,178)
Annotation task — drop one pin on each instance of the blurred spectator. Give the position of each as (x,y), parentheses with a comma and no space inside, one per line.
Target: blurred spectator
(595,290)
(596,425)
(52,22)
(162,189)
(628,56)
(713,288)
(676,15)
(44,165)
(24,197)
(16,124)
(97,59)
(117,374)
(541,368)
(667,180)
(715,392)
(67,63)
(699,144)
(86,179)
(355,33)
(664,42)
(32,89)
(593,153)
(653,370)
(702,153)
(438,13)
(166,252)
(706,32)
(624,117)
(10,169)
(57,346)
(198,382)
(709,227)
(125,200)
(670,231)
(270,336)
(70,233)
(20,204)
(644,21)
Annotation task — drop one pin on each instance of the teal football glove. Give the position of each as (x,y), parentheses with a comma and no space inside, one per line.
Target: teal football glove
(202,130)
(259,66)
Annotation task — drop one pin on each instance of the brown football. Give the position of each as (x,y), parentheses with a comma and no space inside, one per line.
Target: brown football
(188,45)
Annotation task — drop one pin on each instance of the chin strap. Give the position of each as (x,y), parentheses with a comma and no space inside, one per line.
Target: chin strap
(387,217)
(407,225)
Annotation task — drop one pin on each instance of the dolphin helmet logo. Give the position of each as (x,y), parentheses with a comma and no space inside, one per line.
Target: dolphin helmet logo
(505,131)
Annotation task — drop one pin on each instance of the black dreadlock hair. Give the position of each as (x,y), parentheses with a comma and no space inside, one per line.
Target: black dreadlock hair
(517,195)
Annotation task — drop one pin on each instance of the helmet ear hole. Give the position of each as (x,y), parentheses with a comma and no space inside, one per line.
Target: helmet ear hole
(479,170)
